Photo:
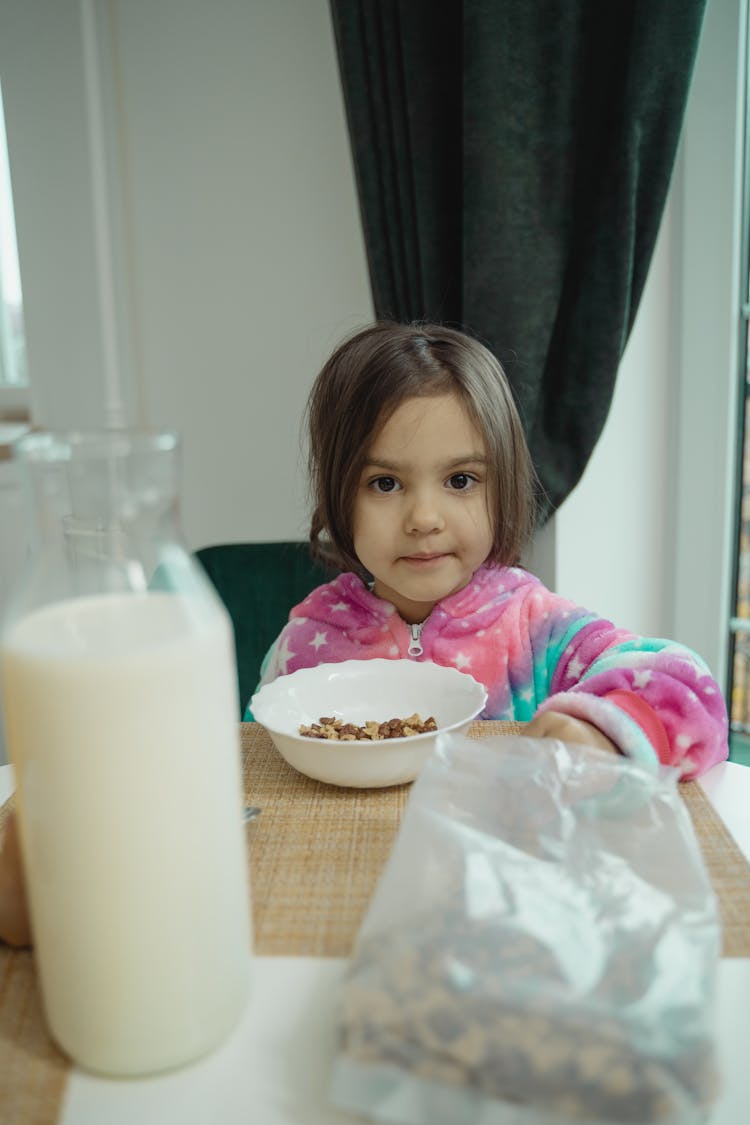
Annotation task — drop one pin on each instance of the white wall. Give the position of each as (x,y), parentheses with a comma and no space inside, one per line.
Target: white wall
(191,250)
(246,250)
(212,139)
(613,531)
(647,536)
(709,283)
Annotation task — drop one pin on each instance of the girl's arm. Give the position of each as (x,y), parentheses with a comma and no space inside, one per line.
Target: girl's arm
(652,698)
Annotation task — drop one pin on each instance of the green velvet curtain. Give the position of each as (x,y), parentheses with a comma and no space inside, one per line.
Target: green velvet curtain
(512,160)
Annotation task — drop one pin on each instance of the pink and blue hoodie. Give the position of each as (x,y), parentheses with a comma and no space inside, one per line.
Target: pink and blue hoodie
(532,650)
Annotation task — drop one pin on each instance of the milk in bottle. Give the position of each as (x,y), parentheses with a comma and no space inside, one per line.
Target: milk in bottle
(121,713)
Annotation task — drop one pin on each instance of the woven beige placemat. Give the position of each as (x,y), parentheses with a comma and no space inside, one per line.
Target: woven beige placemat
(311,888)
(316,853)
(727,868)
(33,1072)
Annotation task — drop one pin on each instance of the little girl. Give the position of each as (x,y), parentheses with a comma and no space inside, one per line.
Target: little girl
(423,494)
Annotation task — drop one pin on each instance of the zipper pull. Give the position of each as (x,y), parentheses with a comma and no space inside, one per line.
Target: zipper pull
(415,645)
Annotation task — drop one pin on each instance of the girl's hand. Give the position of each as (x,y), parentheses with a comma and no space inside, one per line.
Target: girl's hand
(554,724)
(15,926)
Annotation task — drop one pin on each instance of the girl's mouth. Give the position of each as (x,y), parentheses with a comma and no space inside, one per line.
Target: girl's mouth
(423,560)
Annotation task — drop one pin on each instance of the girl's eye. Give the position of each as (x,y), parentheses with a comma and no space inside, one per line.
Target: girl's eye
(460,482)
(384,484)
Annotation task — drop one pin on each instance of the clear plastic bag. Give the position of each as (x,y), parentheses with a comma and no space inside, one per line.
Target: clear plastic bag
(542,947)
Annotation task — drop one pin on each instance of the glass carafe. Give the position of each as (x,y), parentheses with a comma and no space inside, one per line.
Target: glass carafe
(122,724)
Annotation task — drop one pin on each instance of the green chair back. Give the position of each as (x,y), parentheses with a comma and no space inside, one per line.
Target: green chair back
(259,583)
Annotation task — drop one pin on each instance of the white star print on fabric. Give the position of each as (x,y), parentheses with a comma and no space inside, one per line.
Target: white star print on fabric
(575,667)
(318,640)
(641,677)
(284,655)
(339,607)
(462,661)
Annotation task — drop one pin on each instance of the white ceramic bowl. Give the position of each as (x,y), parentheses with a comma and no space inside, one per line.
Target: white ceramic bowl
(358,691)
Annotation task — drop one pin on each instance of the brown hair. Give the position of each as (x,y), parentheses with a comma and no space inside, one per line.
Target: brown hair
(368,376)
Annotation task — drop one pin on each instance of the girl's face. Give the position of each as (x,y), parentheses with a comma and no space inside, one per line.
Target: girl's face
(421,513)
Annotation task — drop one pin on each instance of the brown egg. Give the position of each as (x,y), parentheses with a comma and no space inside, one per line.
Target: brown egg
(15,924)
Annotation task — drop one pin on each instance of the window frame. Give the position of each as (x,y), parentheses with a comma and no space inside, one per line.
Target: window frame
(14,397)
(62,133)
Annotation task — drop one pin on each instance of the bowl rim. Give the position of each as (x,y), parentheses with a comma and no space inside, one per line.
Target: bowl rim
(410,739)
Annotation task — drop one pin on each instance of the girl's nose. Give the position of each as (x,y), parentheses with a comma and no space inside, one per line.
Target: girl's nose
(424,516)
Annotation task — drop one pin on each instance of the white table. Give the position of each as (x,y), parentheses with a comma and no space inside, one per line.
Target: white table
(274,1069)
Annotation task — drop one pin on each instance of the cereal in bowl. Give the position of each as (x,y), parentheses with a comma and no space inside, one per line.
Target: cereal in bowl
(338,731)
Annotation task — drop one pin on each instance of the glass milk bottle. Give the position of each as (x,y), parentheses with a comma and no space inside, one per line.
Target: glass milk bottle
(121,713)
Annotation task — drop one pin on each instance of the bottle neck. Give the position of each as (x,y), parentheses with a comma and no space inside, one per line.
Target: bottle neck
(102,514)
